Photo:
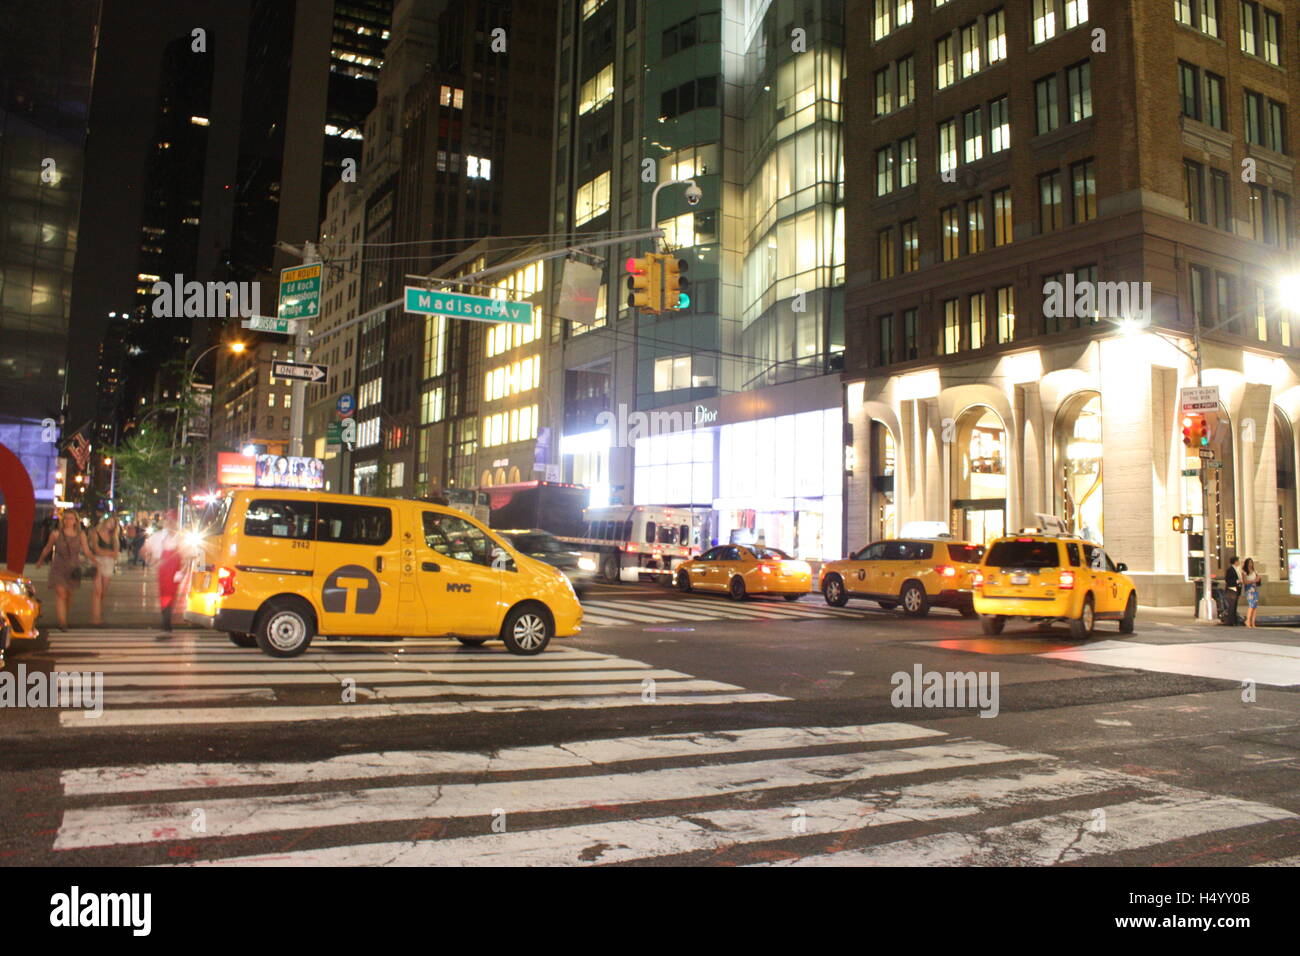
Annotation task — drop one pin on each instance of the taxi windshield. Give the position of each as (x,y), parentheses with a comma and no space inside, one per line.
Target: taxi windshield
(1023,554)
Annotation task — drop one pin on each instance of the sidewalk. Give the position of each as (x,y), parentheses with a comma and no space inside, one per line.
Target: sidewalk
(132,600)
(1186,615)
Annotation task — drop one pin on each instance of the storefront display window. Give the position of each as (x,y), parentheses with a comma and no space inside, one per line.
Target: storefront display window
(1079,468)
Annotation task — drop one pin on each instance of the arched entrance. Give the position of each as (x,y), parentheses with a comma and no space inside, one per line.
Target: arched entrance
(1220,489)
(1079,465)
(884,512)
(1284,453)
(485,480)
(979,482)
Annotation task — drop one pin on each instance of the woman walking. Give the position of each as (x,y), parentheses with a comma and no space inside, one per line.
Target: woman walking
(163,550)
(105,545)
(1250,580)
(66,550)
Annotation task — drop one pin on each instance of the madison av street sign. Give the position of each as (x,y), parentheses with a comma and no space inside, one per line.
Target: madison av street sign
(264,323)
(479,308)
(299,370)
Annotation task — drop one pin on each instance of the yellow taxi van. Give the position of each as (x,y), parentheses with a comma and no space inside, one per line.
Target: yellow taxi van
(917,574)
(1049,577)
(19,610)
(277,567)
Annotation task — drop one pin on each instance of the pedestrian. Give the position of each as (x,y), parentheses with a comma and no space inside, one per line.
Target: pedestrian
(66,550)
(105,546)
(1250,581)
(1232,592)
(163,551)
(137,542)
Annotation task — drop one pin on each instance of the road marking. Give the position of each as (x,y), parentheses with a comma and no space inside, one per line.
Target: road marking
(153,822)
(1066,837)
(297,714)
(1274,665)
(373,766)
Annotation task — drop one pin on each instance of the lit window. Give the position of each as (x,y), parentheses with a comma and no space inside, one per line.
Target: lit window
(672,373)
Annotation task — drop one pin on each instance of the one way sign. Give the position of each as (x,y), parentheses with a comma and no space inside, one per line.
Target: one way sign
(308,373)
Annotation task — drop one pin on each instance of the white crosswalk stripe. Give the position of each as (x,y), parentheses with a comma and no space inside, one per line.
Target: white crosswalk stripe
(605,612)
(199,678)
(881,794)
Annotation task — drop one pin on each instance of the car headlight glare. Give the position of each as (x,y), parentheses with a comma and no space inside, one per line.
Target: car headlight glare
(586,564)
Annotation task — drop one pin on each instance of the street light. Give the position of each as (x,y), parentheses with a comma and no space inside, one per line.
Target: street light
(235,347)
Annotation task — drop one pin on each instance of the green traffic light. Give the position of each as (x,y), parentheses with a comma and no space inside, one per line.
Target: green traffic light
(683,301)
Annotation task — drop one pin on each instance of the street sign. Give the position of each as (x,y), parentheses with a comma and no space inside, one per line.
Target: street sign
(346,404)
(265,323)
(348,431)
(479,308)
(1200,399)
(1206,453)
(1191,472)
(300,291)
(1214,464)
(333,433)
(299,370)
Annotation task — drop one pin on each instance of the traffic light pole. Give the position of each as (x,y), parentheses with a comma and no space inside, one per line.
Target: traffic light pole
(1206,609)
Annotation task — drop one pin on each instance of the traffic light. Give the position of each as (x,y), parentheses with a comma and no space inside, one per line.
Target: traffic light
(1185,524)
(676,285)
(1201,432)
(1189,423)
(644,289)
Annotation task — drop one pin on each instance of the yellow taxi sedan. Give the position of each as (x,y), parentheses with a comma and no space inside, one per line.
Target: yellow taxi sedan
(741,570)
(19,609)
(917,574)
(1049,578)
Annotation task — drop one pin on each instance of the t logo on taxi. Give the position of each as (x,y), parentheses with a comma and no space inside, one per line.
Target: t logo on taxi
(355,578)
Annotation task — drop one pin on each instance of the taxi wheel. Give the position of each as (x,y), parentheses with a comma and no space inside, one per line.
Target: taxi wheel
(833,591)
(4,637)
(527,630)
(992,623)
(736,589)
(472,641)
(285,628)
(913,599)
(683,581)
(240,639)
(1130,614)
(1081,626)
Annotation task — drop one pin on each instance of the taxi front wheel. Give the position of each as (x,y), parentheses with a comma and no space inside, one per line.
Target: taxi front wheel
(833,591)
(527,630)
(992,623)
(285,629)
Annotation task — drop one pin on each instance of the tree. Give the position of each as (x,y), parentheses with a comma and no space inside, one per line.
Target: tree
(144,468)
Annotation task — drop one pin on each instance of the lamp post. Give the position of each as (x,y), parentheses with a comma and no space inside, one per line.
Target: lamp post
(1288,291)
(236,348)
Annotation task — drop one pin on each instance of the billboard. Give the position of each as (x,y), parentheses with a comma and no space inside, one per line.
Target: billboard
(233,469)
(280,471)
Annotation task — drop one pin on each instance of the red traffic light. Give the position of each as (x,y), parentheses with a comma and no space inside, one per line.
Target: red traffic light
(634,266)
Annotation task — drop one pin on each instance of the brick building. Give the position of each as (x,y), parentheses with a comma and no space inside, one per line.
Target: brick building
(1006,158)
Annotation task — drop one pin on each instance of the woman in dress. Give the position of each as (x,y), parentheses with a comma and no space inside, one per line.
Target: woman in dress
(164,552)
(66,551)
(105,545)
(1250,580)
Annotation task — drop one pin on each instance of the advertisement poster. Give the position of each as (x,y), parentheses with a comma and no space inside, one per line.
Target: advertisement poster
(235,469)
(280,471)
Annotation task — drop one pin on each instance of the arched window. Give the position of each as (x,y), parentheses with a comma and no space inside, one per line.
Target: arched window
(1079,465)
(979,486)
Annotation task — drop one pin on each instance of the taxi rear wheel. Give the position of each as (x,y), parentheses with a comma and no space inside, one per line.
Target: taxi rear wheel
(736,589)
(913,599)
(527,630)
(285,628)
(1129,619)
(683,581)
(992,623)
(833,591)
(1081,626)
(241,639)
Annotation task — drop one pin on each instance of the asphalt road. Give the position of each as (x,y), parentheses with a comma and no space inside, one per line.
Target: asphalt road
(675,729)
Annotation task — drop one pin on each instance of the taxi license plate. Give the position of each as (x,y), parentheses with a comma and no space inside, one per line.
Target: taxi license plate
(1020,579)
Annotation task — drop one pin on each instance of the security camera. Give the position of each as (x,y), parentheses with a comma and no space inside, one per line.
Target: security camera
(694,194)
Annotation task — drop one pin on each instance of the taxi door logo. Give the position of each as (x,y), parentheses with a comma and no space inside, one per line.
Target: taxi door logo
(353,578)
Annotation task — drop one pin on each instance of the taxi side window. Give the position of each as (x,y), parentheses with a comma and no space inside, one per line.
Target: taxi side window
(278,518)
(908,551)
(1094,557)
(1110,565)
(731,554)
(1072,550)
(713,554)
(353,524)
(457,538)
(873,552)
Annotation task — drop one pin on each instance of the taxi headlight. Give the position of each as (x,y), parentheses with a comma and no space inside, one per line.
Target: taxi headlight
(586,564)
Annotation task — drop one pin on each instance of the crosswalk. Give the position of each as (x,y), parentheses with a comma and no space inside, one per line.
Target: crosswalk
(875,794)
(605,612)
(199,678)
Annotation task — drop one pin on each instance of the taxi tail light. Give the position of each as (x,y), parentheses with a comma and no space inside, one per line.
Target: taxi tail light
(226,581)
(945,571)
(1067,581)
(977,579)
(765,568)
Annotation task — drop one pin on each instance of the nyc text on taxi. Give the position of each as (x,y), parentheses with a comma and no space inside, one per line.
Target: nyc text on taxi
(740,571)
(1047,578)
(278,568)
